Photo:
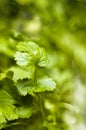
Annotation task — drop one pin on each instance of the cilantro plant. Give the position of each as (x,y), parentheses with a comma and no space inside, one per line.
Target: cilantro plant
(29,97)
(22,89)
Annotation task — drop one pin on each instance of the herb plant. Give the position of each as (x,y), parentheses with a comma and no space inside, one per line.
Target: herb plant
(39,90)
(22,89)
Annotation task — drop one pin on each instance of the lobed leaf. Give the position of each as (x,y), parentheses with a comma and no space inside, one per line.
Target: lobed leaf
(10,105)
(45,84)
(22,59)
(29,53)
(22,73)
(24,112)
(27,86)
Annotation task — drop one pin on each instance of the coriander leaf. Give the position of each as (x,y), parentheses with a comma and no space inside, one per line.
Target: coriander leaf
(7,107)
(27,86)
(8,92)
(22,73)
(45,84)
(11,107)
(5,97)
(7,101)
(43,58)
(7,113)
(24,112)
(29,53)
(28,47)
(22,59)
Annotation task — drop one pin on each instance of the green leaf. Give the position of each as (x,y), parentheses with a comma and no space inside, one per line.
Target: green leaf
(43,61)
(28,47)
(22,59)
(5,97)
(29,53)
(24,112)
(22,73)
(11,107)
(45,84)
(8,92)
(7,100)
(27,86)
(7,112)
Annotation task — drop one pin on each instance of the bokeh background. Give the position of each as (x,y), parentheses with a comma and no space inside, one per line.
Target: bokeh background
(60,27)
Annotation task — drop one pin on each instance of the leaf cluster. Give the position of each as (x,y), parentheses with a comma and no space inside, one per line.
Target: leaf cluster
(17,92)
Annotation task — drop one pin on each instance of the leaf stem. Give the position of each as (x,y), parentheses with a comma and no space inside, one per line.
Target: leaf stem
(41,107)
(35,77)
(13,124)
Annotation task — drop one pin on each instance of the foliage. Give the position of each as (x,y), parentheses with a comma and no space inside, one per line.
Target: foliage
(14,91)
(42,64)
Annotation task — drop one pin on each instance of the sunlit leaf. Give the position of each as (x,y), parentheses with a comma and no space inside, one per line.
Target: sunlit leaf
(45,84)
(29,53)
(28,87)
(21,73)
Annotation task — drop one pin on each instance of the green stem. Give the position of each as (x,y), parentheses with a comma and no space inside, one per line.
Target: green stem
(13,124)
(35,77)
(38,96)
(41,107)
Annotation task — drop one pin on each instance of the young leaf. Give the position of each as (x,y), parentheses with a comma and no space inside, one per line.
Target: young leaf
(24,112)
(28,47)
(10,104)
(45,84)
(7,101)
(27,86)
(43,58)
(29,53)
(23,59)
(7,113)
(8,92)
(22,73)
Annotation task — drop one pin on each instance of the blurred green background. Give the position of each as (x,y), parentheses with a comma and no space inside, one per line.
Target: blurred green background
(60,27)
